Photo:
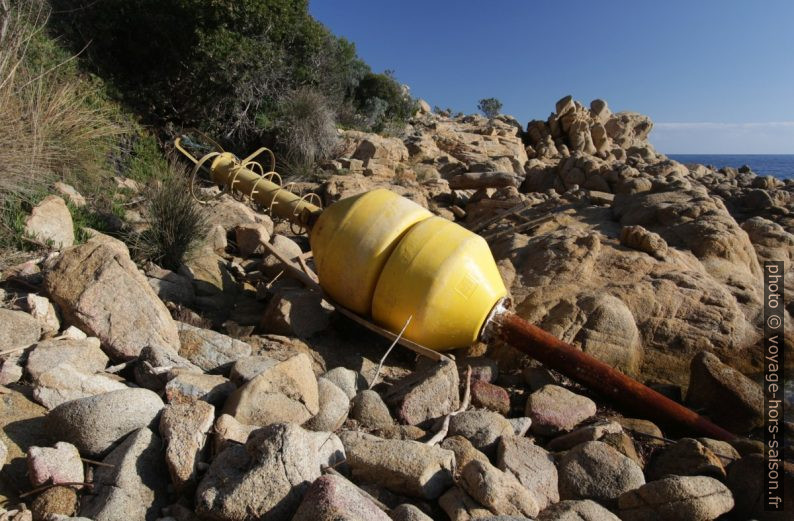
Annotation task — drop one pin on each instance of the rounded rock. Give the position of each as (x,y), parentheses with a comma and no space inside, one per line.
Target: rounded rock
(96,423)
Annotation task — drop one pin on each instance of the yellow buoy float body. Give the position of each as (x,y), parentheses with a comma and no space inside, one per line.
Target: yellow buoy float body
(445,278)
(380,254)
(352,240)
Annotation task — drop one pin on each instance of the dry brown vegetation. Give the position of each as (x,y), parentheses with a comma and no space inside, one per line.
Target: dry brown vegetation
(50,128)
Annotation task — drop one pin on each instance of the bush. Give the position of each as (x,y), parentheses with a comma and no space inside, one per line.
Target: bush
(217,66)
(306,126)
(176,224)
(491,107)
(383,87)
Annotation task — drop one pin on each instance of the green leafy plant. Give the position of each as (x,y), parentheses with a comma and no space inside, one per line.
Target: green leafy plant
(490,107)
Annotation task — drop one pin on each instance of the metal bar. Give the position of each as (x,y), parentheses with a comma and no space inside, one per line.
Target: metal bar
(598,376)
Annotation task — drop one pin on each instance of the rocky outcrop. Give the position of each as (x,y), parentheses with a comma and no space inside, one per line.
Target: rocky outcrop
(647,264)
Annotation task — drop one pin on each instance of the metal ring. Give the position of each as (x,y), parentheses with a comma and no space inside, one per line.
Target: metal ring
(253,165)
(275,195)
(259,151)
(270,175)
(196,168)
(296,212)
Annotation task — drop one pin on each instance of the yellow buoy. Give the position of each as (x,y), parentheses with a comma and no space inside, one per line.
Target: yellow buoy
(353,238)
(445,277)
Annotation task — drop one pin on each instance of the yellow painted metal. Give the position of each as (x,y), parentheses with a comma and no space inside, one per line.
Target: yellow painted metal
(445,277)
(228,171)
(352,240)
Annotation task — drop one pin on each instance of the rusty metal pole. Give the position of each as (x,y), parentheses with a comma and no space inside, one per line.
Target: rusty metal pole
(597,375)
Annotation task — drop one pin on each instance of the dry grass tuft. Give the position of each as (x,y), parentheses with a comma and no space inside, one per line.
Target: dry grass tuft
(51,128)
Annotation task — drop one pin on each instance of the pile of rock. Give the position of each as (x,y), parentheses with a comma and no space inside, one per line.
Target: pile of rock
(227,391)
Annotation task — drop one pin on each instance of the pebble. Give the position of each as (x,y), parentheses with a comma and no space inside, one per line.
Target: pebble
(408,512)
(333,498)
(490,396)
(577,510)
(346,379)
(403,467)
(520,425)
(334,407)
(676,498)
(686,457)
(191,387)
(532,465)
(58,464)
(228,430)
(95,423)
(54,501)
(594,470)
(482,428)
(369,409)
(591,432)
(554,409)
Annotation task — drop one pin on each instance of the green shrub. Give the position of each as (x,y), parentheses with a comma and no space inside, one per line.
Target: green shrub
(490,107)
(399,104)
(142,159)
(217,66)
(176,224)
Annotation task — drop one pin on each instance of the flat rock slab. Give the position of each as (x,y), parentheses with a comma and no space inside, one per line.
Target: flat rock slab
(17,329)
(84,355)
(191,387)
(22,425)
(726,395)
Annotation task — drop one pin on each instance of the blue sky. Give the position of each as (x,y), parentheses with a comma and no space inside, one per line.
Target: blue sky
(715,76)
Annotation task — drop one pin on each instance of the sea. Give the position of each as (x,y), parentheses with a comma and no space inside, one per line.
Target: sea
(777,165)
